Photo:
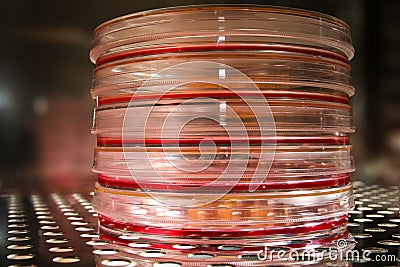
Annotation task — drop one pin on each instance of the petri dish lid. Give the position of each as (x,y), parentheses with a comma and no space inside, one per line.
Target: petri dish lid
(235,23)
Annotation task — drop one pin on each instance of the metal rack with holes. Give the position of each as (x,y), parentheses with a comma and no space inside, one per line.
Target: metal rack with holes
(61,229)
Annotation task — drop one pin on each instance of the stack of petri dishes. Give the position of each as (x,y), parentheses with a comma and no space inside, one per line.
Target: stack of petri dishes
(223,136)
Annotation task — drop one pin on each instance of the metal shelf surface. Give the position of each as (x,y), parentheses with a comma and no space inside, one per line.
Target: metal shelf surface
(54,229)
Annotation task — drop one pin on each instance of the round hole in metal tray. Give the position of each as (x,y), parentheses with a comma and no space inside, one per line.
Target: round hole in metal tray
(36,199)
(53,233)
(152,254)
(41,209)
(66,259)
(117,262)
(298,242)
(67,210)
(375,205)
(385,212)
(57,240)
(89,235)
(47,222)
(353,224)
(84,229)
(16,211)
(19,247)
(74,218)
(39,204)
(139,245)
(201,255)
(389,242)
(16,220)
(355,212)
(79,223)
(363,220)
(375,216)
(19,225)
(18,232)
(364,209)
(362,236)
(18,238)
(107,251)
(61,249)
(43,213)
(97,242)
(49,227)
(375,250)
(20,256)
(129,237)
(24,265)
(375,230)
(229,247)
(183,246)
(167,264)
(388,225)
(63,206)
(394,209)
(44,217)
(16,216)
(249,257)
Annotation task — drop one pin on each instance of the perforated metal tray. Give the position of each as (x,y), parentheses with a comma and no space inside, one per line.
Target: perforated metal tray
(58,229)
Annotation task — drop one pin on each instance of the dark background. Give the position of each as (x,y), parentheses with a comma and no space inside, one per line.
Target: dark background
(45,77)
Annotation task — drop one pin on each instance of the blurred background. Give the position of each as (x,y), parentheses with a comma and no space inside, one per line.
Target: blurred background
(45,77)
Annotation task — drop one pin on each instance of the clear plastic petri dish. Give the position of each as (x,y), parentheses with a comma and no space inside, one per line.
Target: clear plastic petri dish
(268,184)
(171,164)
(221,26)
(270,212)
(204,117)
(265,68)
